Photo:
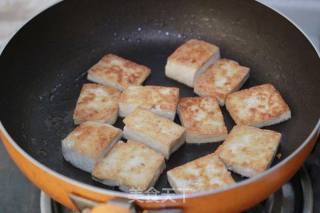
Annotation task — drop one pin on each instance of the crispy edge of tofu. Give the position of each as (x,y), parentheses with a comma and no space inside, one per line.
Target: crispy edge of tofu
(124,186)
(197,135)
(167,110)
(246,170)
(200,162)
(98,74)
(81,161)
(186,69)
(166,149)
(79,116)
(203,84)
(272,117)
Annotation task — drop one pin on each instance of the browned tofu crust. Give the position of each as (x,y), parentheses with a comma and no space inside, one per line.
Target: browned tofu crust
(90,138)
(130,164)
(256,105)
(202,174)
(202,116)
(221,78)
(96,103)
(193,53)
(249,150)
(147,97)
(165,131)
(120,71)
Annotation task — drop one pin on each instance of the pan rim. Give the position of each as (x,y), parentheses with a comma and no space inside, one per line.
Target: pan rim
(315,131)
(103,191)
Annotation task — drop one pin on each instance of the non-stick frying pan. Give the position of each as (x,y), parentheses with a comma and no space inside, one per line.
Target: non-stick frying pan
(44,66)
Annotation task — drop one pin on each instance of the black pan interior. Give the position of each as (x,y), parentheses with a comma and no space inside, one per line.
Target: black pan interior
(45,64)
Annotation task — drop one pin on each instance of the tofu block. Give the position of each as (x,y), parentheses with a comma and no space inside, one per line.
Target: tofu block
(117,72)
(190,60)
(258,106)
(160,100)
(203,174)
(97,103)
(132,166)
(203,119)
(249,151)
(220,79)
(88,143)
(161,134)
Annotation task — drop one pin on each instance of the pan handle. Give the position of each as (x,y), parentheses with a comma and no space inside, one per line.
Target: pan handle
(116,205)
(104,208)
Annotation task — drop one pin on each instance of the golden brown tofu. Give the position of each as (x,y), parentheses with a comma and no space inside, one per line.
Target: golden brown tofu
(88,142)
(190,60)
(249,151)
(97,103)
(132,166)
(161,134)
(220,79)
(118,72)
(160,100)
(202,118)
(258,106)
(203,174)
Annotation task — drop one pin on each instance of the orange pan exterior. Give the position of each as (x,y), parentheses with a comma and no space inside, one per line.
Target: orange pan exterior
(235,198)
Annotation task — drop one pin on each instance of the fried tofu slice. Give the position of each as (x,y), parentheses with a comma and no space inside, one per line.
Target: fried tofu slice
(97,103)
(161,134)
(249,151)
(203,174)
(220,79)
(258,106)
(88,143)
(160,100)
(203,119)
(117,72)
(190,60)
(132,166)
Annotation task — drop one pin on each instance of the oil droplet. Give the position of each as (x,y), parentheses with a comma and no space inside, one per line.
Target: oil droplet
(205,19)
(33,141)
(42,152)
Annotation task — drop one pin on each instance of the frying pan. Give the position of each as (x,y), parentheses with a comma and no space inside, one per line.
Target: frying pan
(44,66)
